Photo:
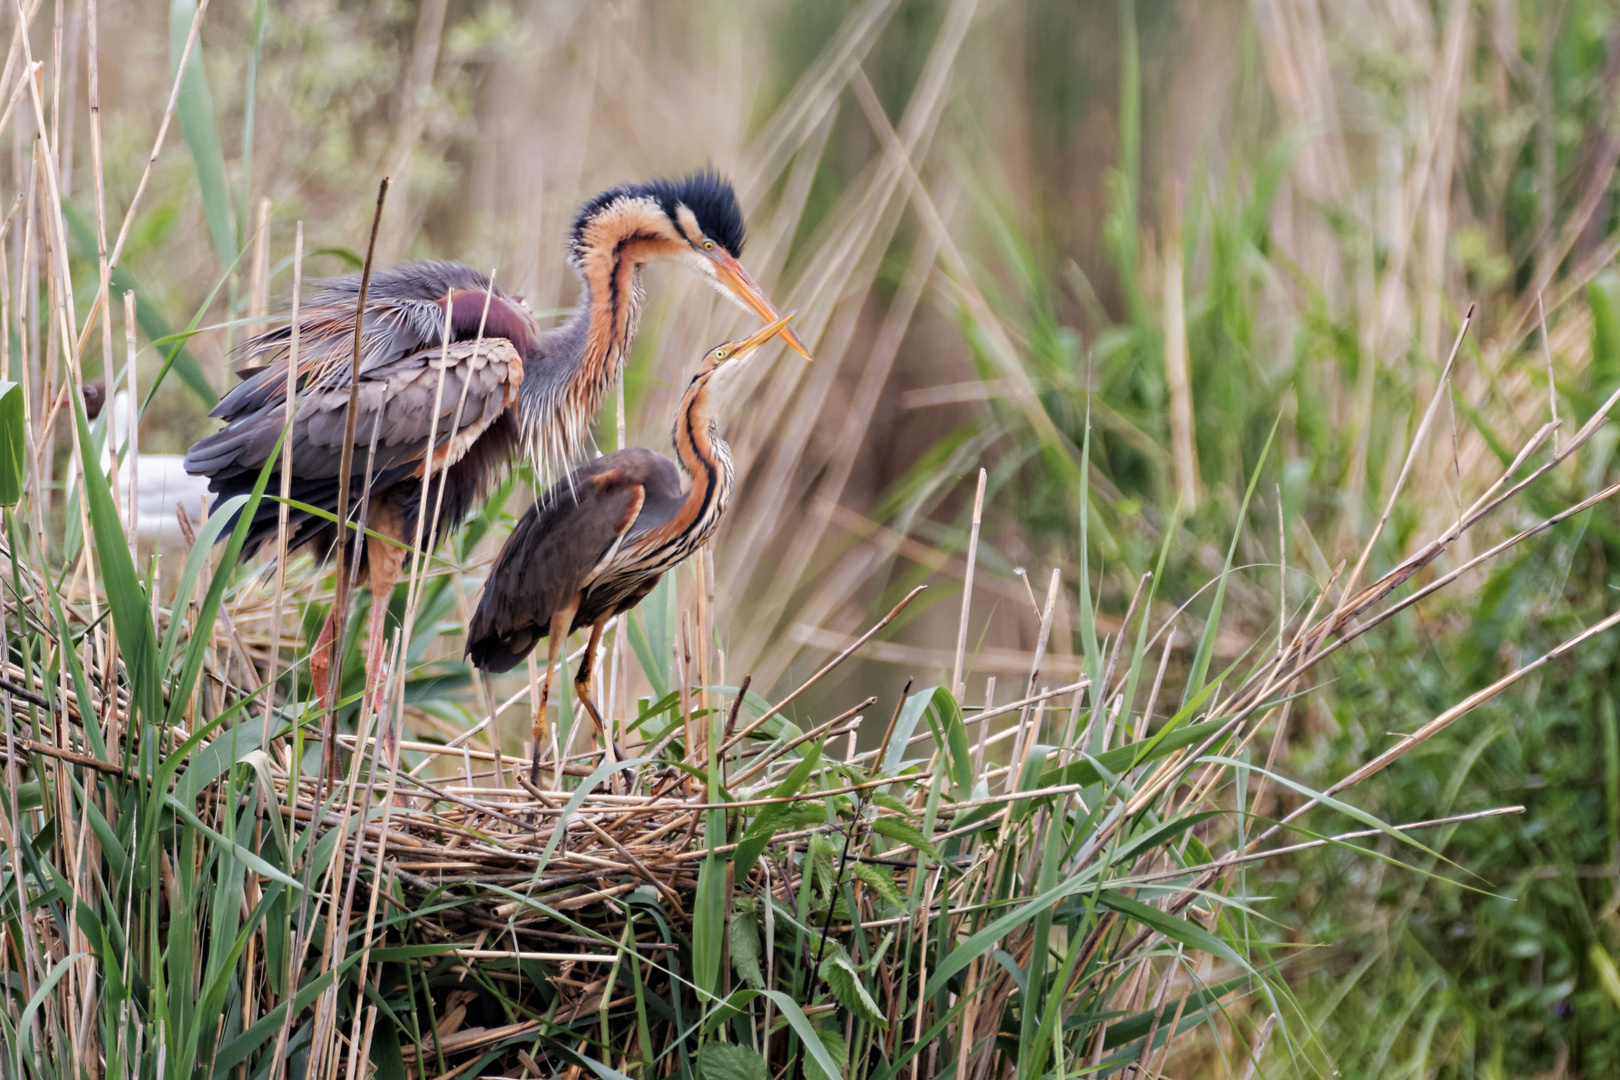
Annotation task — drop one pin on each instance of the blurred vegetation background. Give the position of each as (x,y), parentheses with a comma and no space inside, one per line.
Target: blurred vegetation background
(1004,220)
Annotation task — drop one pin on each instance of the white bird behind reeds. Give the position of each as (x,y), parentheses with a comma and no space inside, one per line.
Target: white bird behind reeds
(161,484)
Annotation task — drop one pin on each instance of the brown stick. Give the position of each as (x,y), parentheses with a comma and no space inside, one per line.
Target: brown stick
(340,601)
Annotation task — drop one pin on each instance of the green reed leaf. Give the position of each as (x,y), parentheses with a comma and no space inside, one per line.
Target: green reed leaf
(195,109)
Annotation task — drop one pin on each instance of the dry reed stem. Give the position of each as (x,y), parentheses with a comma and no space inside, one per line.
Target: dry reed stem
(1177,370)
(283,511)
(157,147)
(1042,636)
(893,614)
(958,688)
(323,1061)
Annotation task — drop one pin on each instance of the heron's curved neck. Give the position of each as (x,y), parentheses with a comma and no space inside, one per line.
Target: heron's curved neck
(569,373)
(610,305)
(702,453)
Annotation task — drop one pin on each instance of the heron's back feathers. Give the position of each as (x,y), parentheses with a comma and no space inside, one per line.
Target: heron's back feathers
(559,545)
(417,398)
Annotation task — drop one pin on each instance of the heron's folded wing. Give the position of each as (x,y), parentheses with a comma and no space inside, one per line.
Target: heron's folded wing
(441,397)
(547,559)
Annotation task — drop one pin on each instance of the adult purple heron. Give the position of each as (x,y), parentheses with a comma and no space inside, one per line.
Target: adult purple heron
(598,542)
(439,421)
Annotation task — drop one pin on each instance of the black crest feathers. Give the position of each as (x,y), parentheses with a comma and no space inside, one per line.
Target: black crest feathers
(706,193)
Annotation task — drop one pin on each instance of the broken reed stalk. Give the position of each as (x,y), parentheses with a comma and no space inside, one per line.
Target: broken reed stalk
(958,689)
(1043,635)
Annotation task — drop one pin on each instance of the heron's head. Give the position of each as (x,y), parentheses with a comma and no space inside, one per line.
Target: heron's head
(722,362)
(694,219)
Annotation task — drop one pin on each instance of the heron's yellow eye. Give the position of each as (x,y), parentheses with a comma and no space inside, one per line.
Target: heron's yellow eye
(708,245)
(721,354)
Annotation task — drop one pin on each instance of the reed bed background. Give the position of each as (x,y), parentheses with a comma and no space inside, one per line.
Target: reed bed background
(1282,739)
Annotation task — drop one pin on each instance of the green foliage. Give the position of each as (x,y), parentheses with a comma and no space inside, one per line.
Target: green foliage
(848,985)
(195,108)
(1507,960)
(725,1061)
(13,444)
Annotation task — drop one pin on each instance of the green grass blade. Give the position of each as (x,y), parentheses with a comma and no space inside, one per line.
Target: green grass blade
(197,648)
(196,559)
(1611,768)
(195,109)
(13,444)
(155,326)
(1088,614)
(1173,927)
(652,662)
(709,923)
(805,1031)
(1206,644)
(759,833)
(905,725)
(127,599)
(259,864)
(25,1023)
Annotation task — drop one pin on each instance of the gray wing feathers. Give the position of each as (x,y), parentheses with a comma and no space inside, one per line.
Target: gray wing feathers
(396,403)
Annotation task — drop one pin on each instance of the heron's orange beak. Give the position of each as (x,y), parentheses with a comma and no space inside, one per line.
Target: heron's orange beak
(741,350)
(736,280)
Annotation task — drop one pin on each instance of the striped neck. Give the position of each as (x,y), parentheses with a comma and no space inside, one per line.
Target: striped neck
(569,373)
(610,302)
(703,455)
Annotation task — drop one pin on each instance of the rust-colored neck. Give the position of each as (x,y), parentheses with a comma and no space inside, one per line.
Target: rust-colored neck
(702,453)
(567,379)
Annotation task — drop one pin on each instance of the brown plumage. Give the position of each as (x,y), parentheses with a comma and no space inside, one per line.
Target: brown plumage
(600,539)
(504,385)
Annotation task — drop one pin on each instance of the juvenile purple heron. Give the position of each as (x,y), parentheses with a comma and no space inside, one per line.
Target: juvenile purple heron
(596,545)
(504,385)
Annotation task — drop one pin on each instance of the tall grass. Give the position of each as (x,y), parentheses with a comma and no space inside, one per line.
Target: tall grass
(187,895)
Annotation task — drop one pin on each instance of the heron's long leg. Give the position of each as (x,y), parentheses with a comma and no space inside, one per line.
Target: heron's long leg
(561,623)
(320,661)
(586,670)
(582,690)
(384,562)
(320,678)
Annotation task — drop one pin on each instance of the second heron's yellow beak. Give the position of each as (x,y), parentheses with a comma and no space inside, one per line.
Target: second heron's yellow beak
(731,274)
(741,349)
